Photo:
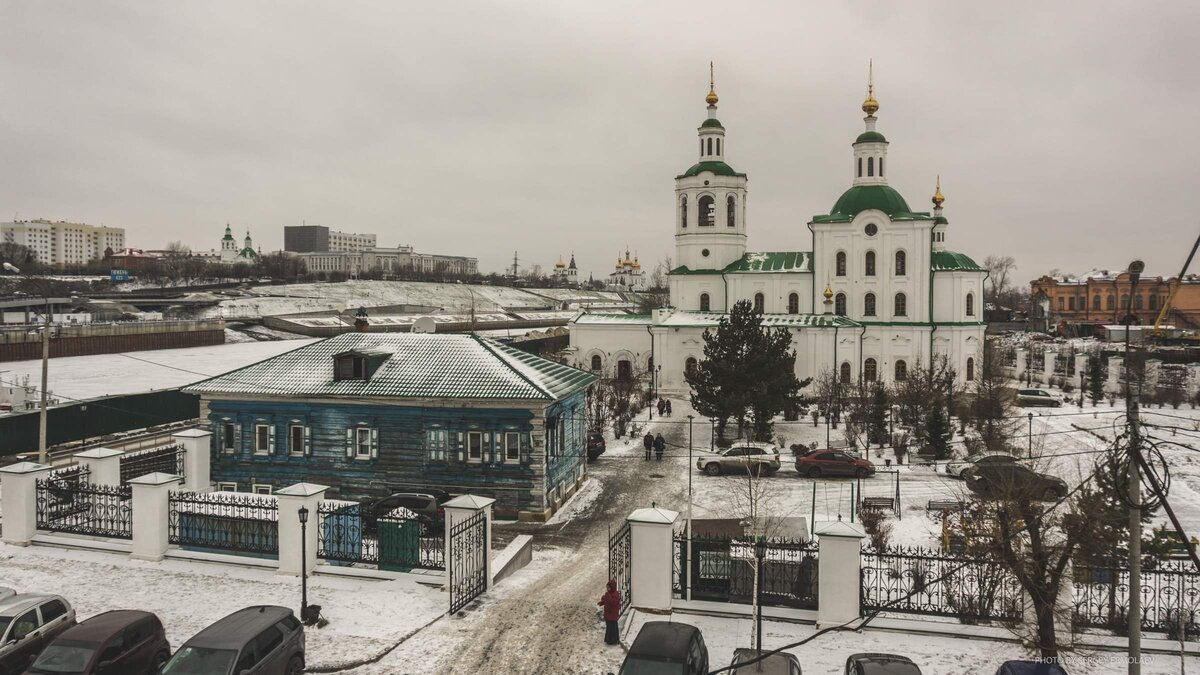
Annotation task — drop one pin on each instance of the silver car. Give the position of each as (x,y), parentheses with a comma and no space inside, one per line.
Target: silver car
(1030,397)
(29,622)
(959,468)
(761,458)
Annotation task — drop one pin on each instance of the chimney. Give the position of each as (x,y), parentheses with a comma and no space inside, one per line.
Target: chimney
(361,324)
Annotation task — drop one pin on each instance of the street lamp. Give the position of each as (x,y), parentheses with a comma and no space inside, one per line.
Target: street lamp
(760,552)
(1031,435)
(303,514)
(689,510)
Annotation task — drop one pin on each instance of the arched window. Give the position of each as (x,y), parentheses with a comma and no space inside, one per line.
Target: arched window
(718,146)
(1096,302)
(869,264)
(860,167)
(839,304)
(901,371)
(1124,301)
(845,373)
(759,303)
(870,166)
(971,304)
(596,363)
(710,146)
(650,364)
(707,211)
(1137,301)
(970,369)
(689,366)
(1112,302)
(704,302)
(731,211)
(869,370)
(624,370)
(1153,301)
(840,266)
(794,303)
(880,166)
(702,147)
(869,304)
(901,307)
(901,264)
(683,211)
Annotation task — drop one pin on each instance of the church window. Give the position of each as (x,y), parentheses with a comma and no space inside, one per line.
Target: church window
(869,305)
(901,308)
(1096,302)
(971,304)
(704,307)
(870,166)
(839,304)
(880,166)
(624,370)
(860,167)
(901,263)
(869,266)
(840,268)
(596,363)
(731,211)
(690,365)
(1112,302)
(702,147)
(970,369)
(710,146)
(707,211)
(901,371)
(759,302)
(683,211)
(794,303)
(869,368)
(845,373)
(718,146)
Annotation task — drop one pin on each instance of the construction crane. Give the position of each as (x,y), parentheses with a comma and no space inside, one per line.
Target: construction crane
(1166,307)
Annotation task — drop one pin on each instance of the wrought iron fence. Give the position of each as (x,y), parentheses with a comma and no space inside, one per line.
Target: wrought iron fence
(167,459)
(66,502)
(923,581)
(620,560)
(467,566)
(1170,593)
(224,521)
(722,568)
(391,542)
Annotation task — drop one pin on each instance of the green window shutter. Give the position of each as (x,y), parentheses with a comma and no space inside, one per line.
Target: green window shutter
(350,443)
(460,445)
(237,434)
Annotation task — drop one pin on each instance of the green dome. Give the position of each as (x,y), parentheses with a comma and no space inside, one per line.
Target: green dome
(718,168)
(712,123)
(863,197)
(870,137)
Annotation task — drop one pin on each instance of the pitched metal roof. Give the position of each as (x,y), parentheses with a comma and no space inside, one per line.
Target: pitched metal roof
(633,319)
(772,261)
(706,319)
(945,261)
(418,366)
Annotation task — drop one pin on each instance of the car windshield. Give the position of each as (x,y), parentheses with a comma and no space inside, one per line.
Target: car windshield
(65,656)
(200,661)
(639,666)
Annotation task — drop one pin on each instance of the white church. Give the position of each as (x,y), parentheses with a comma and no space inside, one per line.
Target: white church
(876,293)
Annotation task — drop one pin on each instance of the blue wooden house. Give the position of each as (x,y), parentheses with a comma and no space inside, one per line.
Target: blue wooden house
(373,413)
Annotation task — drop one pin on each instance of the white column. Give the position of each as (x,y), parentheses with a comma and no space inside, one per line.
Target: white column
(1081,367)
(151,514)
(291,499)
(1115,369)
(652,544)
(459,510)
(839,564)
(104,465)
(197,458)
(18,500)
(1022,363)
(1048,364)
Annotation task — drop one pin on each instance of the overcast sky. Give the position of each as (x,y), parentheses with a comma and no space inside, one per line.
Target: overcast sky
(1063,131)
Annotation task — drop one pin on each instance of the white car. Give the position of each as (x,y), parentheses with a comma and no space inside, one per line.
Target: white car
(959,468)
(1029,397)
(762,458)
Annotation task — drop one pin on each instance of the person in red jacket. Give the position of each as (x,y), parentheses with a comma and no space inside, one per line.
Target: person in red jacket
(611,601)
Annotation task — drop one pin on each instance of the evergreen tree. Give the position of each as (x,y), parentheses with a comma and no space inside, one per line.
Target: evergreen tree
(992,407)
(937,428)
(1095,380)
(877,429)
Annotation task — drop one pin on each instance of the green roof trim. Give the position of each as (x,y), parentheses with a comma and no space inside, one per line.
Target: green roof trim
(949,261)
(863,197)
(684,269)
(941,220)
(712,123)
(718,168)
(772,261)
(870,137)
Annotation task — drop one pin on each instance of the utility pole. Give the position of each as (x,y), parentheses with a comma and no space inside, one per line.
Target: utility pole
(1135,493)
(42,457)
(689,511)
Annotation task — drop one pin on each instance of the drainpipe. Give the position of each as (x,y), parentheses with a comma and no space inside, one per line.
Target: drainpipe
(812,262)
(653,365)
(931,321)
(860,354)
(725,284)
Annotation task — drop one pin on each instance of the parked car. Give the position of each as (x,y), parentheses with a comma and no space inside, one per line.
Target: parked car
(1030,668)
(123,641)
(833,463)
(959,467)
(775,664)
(880,664)
(595,445)
(426,505)
(666,648)
(263,640)
(1030,397)
(28,621)
(761,458)
(1012,479)
(6,592)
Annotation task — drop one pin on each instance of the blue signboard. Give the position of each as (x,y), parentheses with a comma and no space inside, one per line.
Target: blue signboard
(118,275)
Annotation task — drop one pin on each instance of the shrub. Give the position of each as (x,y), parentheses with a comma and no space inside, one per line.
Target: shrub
(877,526)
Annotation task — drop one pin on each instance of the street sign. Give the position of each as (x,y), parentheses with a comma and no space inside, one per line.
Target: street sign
(117,276)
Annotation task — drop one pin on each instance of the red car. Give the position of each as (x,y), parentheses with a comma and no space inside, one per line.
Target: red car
(833,463)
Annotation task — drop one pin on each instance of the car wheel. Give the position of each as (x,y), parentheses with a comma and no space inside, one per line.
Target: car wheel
(160,660)
(1050,495)
(862,473)
(295,666)
(712,469)
(814,472)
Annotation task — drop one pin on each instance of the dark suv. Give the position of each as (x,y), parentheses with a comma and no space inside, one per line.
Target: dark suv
(426,505)
(263,640)
(1012,480)
(595,445)
(667,648)
(122,641)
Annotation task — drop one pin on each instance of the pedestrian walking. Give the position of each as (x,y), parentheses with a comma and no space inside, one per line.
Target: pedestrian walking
(661,407)
(648,441)
(660,444)
(668,402)
(611,601)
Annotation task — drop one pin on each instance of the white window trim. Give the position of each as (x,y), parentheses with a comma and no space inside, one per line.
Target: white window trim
(478,435)
(358,445)
(262,489)
(514,446)
(229,449)
(257,427)
(227,487)
(291,446)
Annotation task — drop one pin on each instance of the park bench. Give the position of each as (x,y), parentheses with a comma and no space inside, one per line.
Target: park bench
(936,505)
(878,503)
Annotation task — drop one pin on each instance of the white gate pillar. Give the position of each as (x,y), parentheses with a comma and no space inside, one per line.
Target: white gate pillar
(291,499)
(1048,358)
(1115,370)
(1081,366)
(18,500)
(1022,363)
(103,464)
(151,514)
(652,544)
(458,510)
(839,578)
(197,458)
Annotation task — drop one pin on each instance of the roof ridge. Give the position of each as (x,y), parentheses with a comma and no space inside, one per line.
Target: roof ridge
(503,358)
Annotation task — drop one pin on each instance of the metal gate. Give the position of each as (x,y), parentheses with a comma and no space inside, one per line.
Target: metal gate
(467,566)
(620,555)
(66,502)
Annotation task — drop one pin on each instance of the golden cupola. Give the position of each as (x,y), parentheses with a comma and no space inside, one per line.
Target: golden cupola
(870,106)
(938,198)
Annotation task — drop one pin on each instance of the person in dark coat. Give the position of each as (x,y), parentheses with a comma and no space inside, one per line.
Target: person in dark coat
(660,444)
(668,406)
(611,601)
(648,441)
(661,406)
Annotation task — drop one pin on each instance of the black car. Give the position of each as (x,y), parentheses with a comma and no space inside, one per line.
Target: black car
(426,505)
(666,648)
(880,664)
(595,445)
(1030,668)
(1015,481)
(263,640)
(122,641)
(775,664)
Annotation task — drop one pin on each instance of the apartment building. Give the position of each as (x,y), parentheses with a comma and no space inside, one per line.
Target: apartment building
(60,243)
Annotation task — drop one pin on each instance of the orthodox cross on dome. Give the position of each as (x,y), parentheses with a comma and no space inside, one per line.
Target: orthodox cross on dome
(711,99)
(937,193)
(870,106)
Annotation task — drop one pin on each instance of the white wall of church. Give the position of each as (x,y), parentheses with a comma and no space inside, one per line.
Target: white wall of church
(950,291)
(612,343)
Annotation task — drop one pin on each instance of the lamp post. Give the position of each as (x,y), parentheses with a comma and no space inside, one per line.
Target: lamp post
(1031,435)
(83,412)
(689,511)
(303,514)
(760,552)
(1135,492)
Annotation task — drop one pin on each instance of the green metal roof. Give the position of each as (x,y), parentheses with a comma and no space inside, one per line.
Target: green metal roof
(634,319)
(718,168)
(862,197)
(949,261)
(870,137)
(772,261)
(417,366)
(684,269)
(711,123)
(941,220)
(712,319)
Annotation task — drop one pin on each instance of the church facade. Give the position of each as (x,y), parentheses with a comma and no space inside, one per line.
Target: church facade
(876,294)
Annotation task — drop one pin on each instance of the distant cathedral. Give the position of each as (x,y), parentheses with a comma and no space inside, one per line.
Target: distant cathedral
(565,274)
(628,275)
(230,253)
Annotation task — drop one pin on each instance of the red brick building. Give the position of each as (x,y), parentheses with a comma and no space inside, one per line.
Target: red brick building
(1101,297)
